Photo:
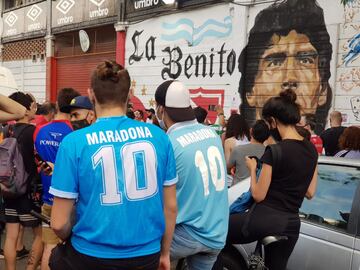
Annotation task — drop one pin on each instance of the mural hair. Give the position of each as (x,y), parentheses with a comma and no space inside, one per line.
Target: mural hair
(305,17)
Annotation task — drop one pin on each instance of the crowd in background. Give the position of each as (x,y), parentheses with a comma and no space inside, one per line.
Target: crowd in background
(22,117)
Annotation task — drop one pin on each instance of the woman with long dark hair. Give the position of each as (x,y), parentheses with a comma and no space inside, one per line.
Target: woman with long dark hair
(280,188)
(237,133)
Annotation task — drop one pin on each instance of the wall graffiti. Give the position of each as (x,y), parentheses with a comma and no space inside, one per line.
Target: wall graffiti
(353,50)
(207,97)
(175,63)
(355,106)
(289,45)
(352,9)
(186,29)
(350,79)
(287,54)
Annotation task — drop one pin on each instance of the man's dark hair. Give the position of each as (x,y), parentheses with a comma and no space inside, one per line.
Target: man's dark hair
(200,114)
(65,96)
(310,120)
(304,16)
(46,108)
(260,131)
(111,83)
(237,127)
(130,114)
(22,98)
(303,132)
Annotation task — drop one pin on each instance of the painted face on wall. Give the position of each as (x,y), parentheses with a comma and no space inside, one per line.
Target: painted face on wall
(289,62)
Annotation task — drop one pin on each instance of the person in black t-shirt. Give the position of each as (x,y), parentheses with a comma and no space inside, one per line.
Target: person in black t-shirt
(330,137)
(17,210)
(280,190)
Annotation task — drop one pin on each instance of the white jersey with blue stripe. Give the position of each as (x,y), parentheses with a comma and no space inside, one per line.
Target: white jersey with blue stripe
(116,170)
(201,190)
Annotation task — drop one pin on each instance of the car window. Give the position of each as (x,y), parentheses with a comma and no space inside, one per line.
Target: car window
(332,203)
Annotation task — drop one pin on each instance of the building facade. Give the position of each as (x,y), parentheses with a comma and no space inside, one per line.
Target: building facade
(233,53)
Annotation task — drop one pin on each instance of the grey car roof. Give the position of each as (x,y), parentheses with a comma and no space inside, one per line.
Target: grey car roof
(339,161)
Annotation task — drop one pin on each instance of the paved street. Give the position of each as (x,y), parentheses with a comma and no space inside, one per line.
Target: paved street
(27,240)
(22,263)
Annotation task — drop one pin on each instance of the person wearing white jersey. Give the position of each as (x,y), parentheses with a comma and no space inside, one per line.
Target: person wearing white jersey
(201,224)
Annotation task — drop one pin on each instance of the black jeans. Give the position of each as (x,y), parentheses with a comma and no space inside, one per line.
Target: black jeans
(65,257)
(262,221)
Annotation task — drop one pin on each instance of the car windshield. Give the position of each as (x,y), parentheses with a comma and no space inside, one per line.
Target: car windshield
(333,200)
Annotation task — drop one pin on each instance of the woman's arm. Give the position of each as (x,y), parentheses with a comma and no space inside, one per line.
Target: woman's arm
(310,193)
(227,149)
(259,188)
(221,116)
(10,110)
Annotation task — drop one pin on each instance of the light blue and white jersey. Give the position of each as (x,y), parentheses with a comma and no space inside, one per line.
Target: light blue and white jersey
(201,190)
(116,170)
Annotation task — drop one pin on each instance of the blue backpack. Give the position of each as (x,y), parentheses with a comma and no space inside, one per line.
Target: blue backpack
(245,201)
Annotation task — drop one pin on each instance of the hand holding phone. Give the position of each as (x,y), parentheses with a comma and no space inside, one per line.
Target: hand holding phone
(44,166)
(252,163)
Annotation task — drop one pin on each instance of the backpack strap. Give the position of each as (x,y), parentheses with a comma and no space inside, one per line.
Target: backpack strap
(7,131)
(276,154)
(18,131)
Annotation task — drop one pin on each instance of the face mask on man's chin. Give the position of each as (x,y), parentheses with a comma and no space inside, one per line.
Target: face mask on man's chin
(79,124)
(161,121)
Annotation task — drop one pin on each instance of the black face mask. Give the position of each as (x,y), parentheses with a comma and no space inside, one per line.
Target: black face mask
(79,124)
(274,132)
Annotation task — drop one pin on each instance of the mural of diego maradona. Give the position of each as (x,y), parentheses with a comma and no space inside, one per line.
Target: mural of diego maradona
(288,47)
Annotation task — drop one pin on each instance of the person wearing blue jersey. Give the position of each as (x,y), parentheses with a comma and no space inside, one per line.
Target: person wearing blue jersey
(47,139)
(201,191)
(119,177)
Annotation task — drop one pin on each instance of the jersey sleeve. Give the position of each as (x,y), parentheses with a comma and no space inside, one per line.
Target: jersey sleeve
(64,182)
(267,157)
(171,177)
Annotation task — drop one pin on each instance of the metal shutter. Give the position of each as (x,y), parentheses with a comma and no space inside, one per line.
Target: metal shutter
(75,71)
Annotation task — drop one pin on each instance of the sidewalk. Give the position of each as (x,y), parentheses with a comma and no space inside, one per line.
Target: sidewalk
(21,264)
(27,241)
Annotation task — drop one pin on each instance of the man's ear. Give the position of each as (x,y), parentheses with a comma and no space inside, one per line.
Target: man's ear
(91,117)
(323,95)
(160,110)
(91,95)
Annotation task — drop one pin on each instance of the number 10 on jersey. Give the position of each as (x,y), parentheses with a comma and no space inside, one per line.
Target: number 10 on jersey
(216,167)
(139,172)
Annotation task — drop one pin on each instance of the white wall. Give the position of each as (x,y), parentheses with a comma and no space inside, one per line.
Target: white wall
(218,25)
(29,76)
(343,24)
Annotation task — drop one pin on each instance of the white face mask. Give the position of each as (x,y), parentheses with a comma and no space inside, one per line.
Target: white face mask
(161,121)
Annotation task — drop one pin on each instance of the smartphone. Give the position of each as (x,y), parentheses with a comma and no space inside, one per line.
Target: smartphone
(40,159)
(212,108)
(43,218)
(258,164)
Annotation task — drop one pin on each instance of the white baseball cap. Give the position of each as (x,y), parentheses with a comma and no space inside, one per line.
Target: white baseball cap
(175,97)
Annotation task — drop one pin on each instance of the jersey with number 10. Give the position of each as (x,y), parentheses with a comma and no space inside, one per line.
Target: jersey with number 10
(116,169)
(201,190)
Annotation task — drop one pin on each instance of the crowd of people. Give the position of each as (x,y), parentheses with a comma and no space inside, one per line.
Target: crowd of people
(127,189)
